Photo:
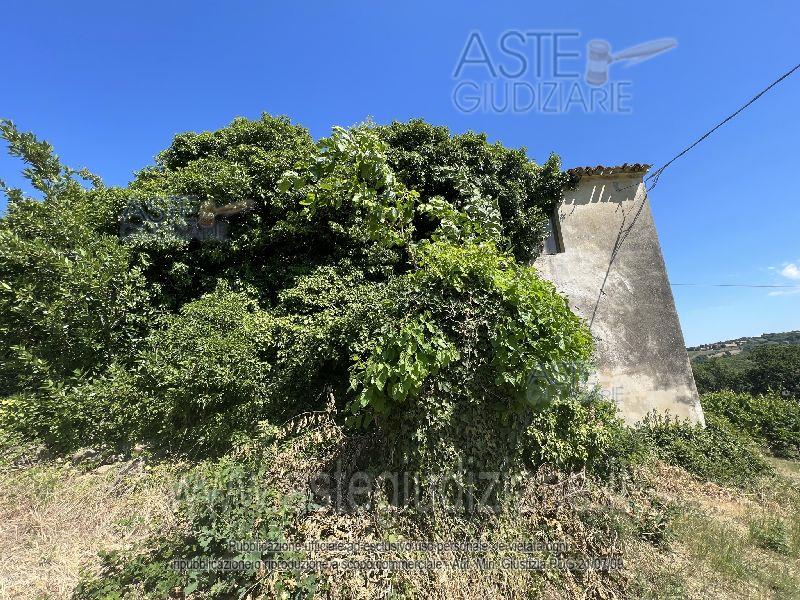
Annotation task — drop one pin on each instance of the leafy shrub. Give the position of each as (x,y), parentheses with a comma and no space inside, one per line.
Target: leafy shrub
(717,452)
(361,195)
(241,162)
(204,365)
(212,370)
(190,375)
(478,344)
(71,297)
(466,170)
(399,365)
(223,363)
(379,267)
(572,435)
(771,419)
(535,348)
(351,180)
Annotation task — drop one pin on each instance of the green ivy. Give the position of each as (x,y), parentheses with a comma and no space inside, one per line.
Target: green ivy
(402,359)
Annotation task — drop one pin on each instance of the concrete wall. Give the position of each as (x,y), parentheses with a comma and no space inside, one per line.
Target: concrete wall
(641,358)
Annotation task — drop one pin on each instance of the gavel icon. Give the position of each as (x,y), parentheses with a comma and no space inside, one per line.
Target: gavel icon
(599,57)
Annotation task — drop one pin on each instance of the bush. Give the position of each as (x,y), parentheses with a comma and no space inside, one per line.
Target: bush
(241,162)
(717,452)
(478,345)
(572,435)
(211,371)
(384,267)
(770,419)
(71,296)
(340,199)
(463,168)
(192,374)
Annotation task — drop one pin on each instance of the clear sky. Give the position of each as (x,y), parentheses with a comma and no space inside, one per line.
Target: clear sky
(110,83)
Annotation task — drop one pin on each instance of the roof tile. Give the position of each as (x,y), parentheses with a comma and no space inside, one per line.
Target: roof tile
(603,171)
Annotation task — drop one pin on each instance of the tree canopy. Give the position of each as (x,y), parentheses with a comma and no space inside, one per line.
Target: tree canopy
(384,267)
(764,369)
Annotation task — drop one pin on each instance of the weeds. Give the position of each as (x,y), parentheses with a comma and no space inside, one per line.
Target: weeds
(771,533)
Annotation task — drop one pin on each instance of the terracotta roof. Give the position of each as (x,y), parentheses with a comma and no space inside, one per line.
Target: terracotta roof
(602,171)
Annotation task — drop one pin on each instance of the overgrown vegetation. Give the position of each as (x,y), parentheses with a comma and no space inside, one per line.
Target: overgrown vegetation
(717,452)
(772,420)
(373,314)
(358,263)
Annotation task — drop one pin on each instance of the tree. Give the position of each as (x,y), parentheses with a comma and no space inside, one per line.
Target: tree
(70,296)
(768,368)
(383,266)
(720,373)
(775,368)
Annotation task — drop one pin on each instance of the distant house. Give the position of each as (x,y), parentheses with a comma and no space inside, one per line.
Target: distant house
(603,254)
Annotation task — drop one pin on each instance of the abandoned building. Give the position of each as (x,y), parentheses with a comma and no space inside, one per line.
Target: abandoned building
(603,254)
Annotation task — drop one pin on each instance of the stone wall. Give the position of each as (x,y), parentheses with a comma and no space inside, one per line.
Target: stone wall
(641,358)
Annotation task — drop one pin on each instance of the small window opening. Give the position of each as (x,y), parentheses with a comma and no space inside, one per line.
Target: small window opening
(553,243)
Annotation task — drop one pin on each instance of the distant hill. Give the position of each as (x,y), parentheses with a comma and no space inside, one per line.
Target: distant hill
(743,344)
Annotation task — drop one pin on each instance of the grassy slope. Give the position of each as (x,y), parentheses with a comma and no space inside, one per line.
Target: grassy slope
(725,543)
(55,517)
(721,542)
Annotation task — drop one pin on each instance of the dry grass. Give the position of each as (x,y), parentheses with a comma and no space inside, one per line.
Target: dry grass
(54,519)
(714,552)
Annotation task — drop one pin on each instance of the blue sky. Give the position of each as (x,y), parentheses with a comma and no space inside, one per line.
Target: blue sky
(109,84)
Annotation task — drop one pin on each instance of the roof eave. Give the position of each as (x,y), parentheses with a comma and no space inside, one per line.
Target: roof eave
(602,171)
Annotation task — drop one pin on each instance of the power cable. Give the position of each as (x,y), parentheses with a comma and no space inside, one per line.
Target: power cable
(742,285)
(655,175)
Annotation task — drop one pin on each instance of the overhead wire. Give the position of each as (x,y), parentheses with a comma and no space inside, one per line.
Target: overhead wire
(655,176)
